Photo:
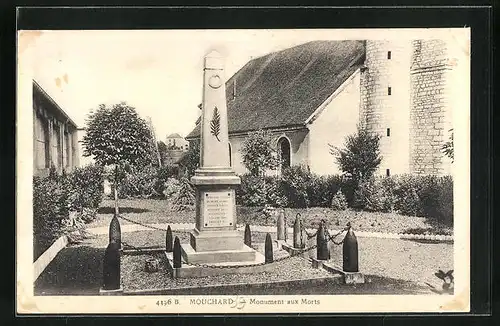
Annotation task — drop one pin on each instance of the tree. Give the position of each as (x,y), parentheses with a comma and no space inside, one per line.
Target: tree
(447,147)
(162,148)
(116,136)
(360,156)
(191,159)
(258,152)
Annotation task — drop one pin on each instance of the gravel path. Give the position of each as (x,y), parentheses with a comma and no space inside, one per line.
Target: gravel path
(401,259)
(134,277)
(410,260)
(405,260)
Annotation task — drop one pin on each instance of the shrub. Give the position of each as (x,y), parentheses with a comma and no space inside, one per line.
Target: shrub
(295,182)
(427,196)
(360,156)
(321,189)
(139,183)
(163,174)
(171,188)
(47,213)
(190,161)
(436,198)
(339,202)
(369,196)
(389,185)
(445,200)
(259,191)
(258,153)
(86,187)
(406,191)
(185,197)
(376,195)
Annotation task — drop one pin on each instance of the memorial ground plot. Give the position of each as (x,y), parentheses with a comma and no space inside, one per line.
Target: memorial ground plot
(320,167)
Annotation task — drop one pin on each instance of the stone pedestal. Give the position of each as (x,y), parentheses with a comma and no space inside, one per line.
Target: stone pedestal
(215,238)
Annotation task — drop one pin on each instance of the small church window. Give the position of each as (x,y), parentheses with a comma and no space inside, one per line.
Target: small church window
(284,149)
(388,132)
(388,55)
(230,156)
(389,90)
(388,172)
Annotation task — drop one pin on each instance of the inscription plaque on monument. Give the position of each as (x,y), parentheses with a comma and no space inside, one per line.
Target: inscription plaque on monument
(218,209)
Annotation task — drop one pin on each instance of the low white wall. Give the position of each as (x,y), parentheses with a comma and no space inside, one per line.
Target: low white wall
(44,260)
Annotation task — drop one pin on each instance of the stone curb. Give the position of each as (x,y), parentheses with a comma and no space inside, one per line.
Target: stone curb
(160,291)
(44,260)
(272,229)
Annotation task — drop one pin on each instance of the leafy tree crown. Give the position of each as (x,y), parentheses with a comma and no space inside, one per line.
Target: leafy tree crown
(360,156)
(258,152)
(116,135)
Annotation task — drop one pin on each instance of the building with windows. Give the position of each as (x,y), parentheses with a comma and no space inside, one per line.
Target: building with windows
(177,142)
(55,139)
(313,95)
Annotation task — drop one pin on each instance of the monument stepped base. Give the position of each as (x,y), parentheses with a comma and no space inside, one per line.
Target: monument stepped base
(187,271)
(243,255)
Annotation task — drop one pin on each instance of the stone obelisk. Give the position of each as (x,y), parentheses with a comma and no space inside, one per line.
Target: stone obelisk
(215,238)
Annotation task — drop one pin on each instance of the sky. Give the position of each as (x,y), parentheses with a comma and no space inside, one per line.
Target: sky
(159,72)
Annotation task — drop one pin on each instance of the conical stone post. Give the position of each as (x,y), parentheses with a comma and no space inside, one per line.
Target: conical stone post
(281,227)
(111,267)
(350,252)
(248,236)
(299,237)
(115,233)
(169,240)
(268,249)
(177,253)
(322,252)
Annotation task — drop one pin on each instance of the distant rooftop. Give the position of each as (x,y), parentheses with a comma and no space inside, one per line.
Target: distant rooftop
(174,135)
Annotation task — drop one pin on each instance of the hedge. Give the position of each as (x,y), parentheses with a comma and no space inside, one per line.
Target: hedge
(146,182)
(55,196)
(426,196)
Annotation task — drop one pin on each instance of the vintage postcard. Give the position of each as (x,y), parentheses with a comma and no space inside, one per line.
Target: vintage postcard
(243,171)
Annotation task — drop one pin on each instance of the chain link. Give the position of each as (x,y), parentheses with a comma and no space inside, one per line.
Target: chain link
(133,247)
(150,226)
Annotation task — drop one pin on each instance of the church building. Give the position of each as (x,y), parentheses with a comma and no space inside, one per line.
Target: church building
(313,95)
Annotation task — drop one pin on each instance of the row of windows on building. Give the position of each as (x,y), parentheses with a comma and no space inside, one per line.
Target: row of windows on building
(54,144)
(389,92)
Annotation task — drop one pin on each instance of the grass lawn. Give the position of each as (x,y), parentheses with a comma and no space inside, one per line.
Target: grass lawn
(160,211)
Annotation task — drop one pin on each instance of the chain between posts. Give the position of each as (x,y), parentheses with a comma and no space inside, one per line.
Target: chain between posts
(298,252)
(149,226)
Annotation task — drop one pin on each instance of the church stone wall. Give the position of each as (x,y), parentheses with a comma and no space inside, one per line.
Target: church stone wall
(406,93)
(430,115)
(385,101)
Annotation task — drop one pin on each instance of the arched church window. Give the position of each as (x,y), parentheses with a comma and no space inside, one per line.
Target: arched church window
(284,150)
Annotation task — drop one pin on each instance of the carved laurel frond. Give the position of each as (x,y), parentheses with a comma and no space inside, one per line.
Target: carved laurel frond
(215,124)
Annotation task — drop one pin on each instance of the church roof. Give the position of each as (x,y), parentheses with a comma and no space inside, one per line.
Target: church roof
(50,104)
(284,88)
